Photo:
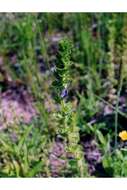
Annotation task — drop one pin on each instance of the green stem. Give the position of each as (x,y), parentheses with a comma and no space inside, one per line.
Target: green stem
(120,83)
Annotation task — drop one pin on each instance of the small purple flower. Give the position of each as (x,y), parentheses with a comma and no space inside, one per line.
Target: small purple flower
(64,93)
(14,137)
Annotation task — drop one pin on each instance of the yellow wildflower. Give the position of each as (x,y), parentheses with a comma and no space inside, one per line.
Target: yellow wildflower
(123,135)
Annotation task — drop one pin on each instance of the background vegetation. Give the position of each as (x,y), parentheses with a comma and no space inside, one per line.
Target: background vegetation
(63,92)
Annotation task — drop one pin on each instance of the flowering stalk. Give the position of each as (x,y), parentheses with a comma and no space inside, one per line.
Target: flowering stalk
(67,129)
